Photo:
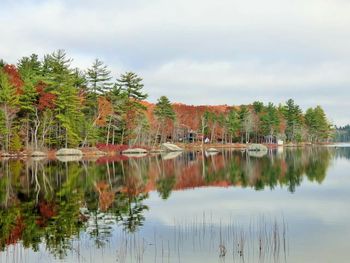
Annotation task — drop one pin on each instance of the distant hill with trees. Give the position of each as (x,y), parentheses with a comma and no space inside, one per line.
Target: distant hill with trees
(48,104)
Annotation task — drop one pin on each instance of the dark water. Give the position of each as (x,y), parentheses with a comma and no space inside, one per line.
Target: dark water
(291,205)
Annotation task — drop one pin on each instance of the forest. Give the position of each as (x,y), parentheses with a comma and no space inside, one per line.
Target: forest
(342,134)
(48,104)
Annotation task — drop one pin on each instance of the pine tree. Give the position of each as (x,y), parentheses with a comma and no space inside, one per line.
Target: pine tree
(233,123)
(317,124)
(8,103)
(132,85)
(61,82)
(293,116)
(56,67)
(163,109)
(98,78)
(270,121)
(163,112)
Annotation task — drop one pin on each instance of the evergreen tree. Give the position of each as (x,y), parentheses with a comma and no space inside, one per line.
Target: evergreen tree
(61,82)
(163,112)
(233,123)
(98,78)
(56,68)
(270,121)
(258,106)
(293,116)
(163,109)
(317,124)
(132,85)
(30,67)
(8,103)
(246,123)
(2,63)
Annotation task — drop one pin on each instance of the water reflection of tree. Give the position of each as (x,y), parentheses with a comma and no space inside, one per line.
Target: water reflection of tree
(43,201)
(240,169)
(51,202)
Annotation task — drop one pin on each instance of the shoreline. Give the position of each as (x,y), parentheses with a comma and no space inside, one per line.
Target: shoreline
(89,153)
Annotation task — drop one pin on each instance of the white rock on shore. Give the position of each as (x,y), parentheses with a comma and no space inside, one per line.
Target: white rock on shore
(69,151)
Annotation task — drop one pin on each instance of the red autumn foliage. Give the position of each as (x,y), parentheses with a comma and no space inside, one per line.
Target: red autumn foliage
(16,232)
(46,99)
(117,147)
(46,211)
(111,147)
(14,77)
(113,158)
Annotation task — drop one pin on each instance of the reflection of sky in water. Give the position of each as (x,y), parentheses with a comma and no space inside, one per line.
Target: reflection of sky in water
(317,218)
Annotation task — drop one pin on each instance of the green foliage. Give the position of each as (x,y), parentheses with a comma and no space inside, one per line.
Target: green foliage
(270,120)
(294,119)
(132,85)
(163,109)
(8,96)
(51,104)
(258,106)
(8,103)
(16,143)
(233,122)
(165,185)
(342,134)
(98,78)
(317,124)
(2,63)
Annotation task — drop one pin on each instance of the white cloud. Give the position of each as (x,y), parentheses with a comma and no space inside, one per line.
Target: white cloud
(227,51)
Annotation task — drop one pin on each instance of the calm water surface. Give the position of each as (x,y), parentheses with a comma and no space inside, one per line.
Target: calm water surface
(291,205)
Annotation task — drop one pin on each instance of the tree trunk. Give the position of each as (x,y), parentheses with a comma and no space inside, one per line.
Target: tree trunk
(108,129)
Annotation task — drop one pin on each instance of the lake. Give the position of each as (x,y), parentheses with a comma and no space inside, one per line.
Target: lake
(290,205)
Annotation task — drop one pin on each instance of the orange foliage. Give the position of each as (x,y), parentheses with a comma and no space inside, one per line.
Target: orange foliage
(104,110)
(106,196)
(187,116)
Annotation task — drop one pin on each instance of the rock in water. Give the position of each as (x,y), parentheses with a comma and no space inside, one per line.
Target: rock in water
(257,154)
(134,151)
(257,147)
(212,150)
(171,155)
(38,154)
(69,158)
(169,147)
(69,151)
(134,155)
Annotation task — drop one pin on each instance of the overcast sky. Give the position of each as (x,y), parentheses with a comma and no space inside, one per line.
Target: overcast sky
(199,51)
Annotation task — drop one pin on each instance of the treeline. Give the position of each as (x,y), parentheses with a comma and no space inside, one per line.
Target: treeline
(46,103)
(342,134)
